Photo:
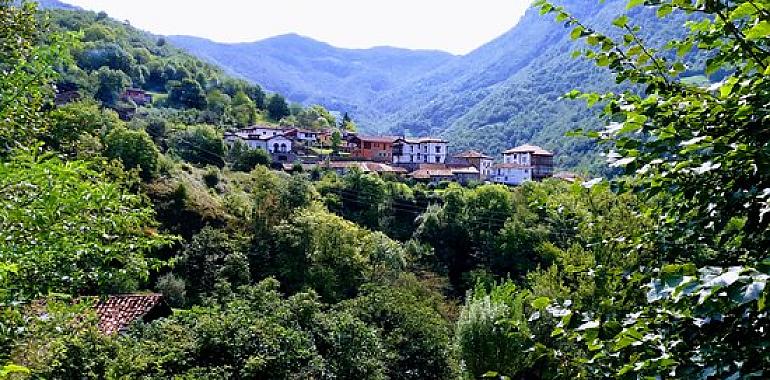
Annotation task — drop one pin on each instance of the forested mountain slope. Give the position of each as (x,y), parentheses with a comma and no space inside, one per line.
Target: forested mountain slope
(313,72)
(502,94)
(508,91)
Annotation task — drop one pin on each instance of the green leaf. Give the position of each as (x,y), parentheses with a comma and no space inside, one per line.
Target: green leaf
(743,10)
(12,368)
(634,3)
(759,31)
(621,21)
(727,87)
(684,48)
(577,32)
(664,10)
(541,303)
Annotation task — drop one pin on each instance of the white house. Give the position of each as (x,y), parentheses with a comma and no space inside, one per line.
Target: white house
(271,143)
(306,136)
(524,163)
(511,173)
(263,131)
(425,150)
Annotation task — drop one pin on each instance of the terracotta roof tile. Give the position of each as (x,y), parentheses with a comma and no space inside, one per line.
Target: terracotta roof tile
(527,148)
(422,140)
(377,139)
(117,312)
(472,154)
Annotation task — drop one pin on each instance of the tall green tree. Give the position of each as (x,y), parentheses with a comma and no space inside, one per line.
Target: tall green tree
(244,111)
(111,84)
(135,149)
(186,94)
(26,73)
(199,144)
(277,108)
(44,200)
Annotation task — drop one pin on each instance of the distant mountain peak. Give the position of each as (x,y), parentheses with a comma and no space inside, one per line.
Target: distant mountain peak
(56,4)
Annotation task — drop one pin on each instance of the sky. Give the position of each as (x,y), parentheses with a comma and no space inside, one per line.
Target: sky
(455,26)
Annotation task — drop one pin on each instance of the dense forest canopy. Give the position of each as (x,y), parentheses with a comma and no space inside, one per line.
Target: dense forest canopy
(658,273)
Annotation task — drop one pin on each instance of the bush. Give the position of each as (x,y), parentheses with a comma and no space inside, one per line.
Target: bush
(207,259)
(242,158)
(484,338)
(199,144)
(135,149)
(415,334)
(173,289)
(211,177)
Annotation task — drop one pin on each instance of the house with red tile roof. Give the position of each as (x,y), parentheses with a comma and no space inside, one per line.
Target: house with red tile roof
(117,312)
(524,163)
(478,160)
(371,148)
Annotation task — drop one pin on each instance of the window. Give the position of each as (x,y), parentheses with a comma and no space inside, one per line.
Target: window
(438,149)
(438,159)
(275,147)
(283,147)
(367,145)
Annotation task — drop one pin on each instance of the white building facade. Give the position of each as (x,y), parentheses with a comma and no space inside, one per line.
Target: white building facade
(419,151)
(271,143)
(511,174)
(523,163)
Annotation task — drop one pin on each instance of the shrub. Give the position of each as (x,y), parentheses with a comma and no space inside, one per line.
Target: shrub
(211,177)
(135,149)
(173,289)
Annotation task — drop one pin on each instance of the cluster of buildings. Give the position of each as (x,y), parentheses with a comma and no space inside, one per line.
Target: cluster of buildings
(425,159)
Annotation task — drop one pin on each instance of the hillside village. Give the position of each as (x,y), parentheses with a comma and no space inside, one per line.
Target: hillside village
(424,159)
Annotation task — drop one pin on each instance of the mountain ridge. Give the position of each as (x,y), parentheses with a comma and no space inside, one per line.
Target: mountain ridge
(504,93)
(310,71)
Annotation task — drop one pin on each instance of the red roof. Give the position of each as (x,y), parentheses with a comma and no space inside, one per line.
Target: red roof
(376,139)
(472,154)
(526,148)
(117,312)
(422,140)
(430,173)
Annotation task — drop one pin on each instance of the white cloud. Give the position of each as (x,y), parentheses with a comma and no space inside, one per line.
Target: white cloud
(451,25)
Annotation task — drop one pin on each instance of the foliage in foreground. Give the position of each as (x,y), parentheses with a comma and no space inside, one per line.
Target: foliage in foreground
(687,298)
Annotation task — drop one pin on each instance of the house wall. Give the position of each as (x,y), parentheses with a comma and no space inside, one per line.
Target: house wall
(278,144)
(512,176)
(373,151)
(465,178)
(425,153)
(486,168)
(518,158)
(543,166)
(266,131)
